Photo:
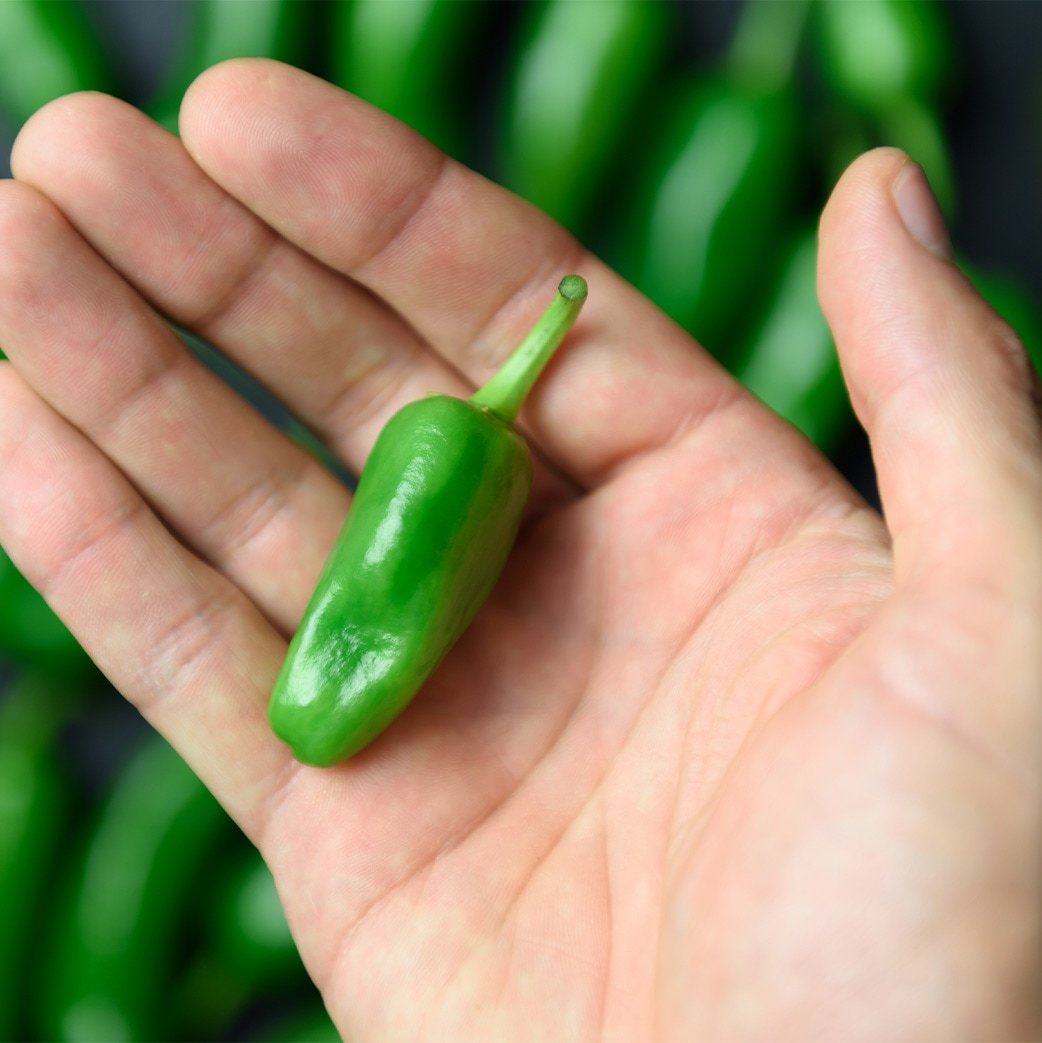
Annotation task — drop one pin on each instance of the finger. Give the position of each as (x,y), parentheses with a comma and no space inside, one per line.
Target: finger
(940,382)
(463,261)
(179,640)
(244,496)
(334,354)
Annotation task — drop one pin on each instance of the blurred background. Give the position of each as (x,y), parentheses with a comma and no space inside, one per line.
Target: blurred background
(692,145)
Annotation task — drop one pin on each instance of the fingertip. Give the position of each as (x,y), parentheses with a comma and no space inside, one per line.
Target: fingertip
(50,133)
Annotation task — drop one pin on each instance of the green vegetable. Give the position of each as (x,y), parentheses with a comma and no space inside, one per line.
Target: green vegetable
(719,184)
(310,1025)
(111,962)
(47,48)
(34,797)
(889,61)
(790,362)
(224,29)
(248,930)
(30,633)
(579,79)
(880,53)
(436,512)
(1016,305)
(409,57)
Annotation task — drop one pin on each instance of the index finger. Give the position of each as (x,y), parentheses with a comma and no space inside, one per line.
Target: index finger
(466,263)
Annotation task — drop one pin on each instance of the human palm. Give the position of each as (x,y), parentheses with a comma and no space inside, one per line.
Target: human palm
(723,757)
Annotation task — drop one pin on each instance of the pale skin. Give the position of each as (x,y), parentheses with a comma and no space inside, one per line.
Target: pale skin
(726,756)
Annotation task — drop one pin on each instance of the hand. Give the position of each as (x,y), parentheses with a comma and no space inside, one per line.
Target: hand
(724,757)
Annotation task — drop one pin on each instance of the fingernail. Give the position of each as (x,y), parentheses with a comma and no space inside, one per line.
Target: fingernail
(919,211)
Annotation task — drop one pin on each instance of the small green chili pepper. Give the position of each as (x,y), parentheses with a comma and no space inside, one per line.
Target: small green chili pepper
(718,184)
(47,48)
(790,362)
(34,799)
(30,633)
(113,958)
(889,61)
(582,68)
(435,515)
(1016,305)
(408,58)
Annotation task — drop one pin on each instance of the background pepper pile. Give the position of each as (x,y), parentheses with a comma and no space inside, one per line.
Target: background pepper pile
(691,145)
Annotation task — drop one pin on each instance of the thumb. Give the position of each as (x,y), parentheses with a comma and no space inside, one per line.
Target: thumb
(940,382)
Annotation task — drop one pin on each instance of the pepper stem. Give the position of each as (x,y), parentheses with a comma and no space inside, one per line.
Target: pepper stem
(506,392)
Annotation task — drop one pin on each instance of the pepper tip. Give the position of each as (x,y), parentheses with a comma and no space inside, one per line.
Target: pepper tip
(573,288)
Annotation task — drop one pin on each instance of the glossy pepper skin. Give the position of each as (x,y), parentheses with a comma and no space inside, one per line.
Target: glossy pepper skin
(435,515)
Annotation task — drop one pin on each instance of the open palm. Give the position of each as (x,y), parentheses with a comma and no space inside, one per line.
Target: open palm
(723,757)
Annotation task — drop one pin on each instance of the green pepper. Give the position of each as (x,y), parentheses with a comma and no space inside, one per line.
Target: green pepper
(310,1025)
(409,58)
(435,515)
(890,61)
(581,72)
(248,930)
(30,633)
(880,53)
(790,361)
(1016,305)
(223,29)
(719,182)
(34,798)
(49,48)
(113,955)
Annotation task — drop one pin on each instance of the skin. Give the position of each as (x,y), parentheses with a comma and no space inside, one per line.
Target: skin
(726,756)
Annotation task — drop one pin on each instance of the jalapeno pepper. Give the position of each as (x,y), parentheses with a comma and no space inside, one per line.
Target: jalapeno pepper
(718,186)
(580,75)
(223,29)
(436,512)
(49,48)
(34,798)
(790,361)
(408,58)
(113,955)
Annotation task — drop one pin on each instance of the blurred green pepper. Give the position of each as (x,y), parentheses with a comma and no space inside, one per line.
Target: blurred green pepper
(30,633)
(311,1025)
(47,48)
(721,182)
(1013,302)
(223,29)
(890,61)
(408,57)
(790,361)
(580,75)
(111,960)
(248,930)
(34,799)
